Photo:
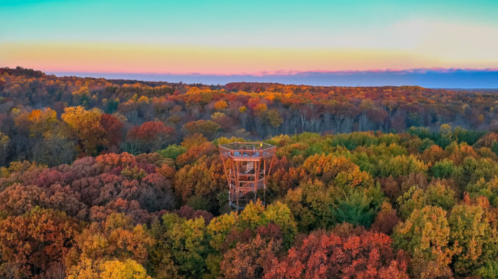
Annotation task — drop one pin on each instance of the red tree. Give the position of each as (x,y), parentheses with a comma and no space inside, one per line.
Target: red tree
(149,136)
(113,131)
(322,255)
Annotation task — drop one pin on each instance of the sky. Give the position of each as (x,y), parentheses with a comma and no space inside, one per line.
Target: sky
(257,38)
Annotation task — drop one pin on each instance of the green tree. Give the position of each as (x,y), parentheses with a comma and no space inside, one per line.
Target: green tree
(189,244)
(426,236)
(473,237)
(486,189)
(436,194)
(172,151)
(443,169)
(310,204)
(358,206)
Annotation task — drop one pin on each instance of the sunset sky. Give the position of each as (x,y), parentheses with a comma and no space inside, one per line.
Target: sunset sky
(257,37)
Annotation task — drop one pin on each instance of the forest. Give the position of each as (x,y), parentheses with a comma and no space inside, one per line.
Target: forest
(123,179)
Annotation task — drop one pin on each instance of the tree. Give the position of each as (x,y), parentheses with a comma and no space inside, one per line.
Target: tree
(255,215)
(256,232)
(193,140)
(327,167)
(189,244)
(127,270)
(116,238)
(4,144)
(226,123)
(81,96)
(487,189)
(207,128)
(161,264)
(401,165)
(17,200)
(31,243)
(310,205)
(42,137)
(443,169)
(436,194)
(193,180)
(85,124)
(149,136)
(41,121)
(426,236)
(55,149)
(219,228)
(279,214)
(189,213)
(196,153)
(249,260)
(112,269)
(322,255)
(386,219)
(130,208)
(153,192)
(172,151)
(357,206)
(274,118)
(203,179)
(220,105)
(473,238)
(113,128)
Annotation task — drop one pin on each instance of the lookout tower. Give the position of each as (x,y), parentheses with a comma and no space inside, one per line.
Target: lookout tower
(247,166)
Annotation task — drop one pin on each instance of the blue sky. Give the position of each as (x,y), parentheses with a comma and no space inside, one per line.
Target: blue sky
(247,37)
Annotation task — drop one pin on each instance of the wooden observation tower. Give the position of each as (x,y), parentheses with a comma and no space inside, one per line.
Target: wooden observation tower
(247,166)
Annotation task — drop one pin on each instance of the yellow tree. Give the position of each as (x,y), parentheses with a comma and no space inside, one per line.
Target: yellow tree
(36,122)
(85,124)
(473,237)
(116,238)
(82,95)
(426,235)
(220,105)
(112,269)
(42,120)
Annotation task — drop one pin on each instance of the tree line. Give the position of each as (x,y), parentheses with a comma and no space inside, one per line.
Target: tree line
(54,120)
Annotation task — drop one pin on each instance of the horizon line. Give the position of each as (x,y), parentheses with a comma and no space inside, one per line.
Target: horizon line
(435,78)
(293,72)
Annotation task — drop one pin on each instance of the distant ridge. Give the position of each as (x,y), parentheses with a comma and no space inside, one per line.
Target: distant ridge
(429,78)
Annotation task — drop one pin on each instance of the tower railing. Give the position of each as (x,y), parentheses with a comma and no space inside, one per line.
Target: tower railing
(247,166)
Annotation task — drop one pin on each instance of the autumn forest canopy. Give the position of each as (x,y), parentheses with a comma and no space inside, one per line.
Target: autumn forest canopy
(122,179)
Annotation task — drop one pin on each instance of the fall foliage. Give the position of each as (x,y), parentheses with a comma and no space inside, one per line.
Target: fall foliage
(118,179)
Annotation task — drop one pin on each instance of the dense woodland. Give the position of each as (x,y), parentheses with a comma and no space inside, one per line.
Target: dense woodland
(54,120)
(122,179)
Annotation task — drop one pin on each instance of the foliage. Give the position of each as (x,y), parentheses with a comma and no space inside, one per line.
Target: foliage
(112,269)
(322,255)
(172,151)
(426,235)
(472,234)
(31,243)
(117,179)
